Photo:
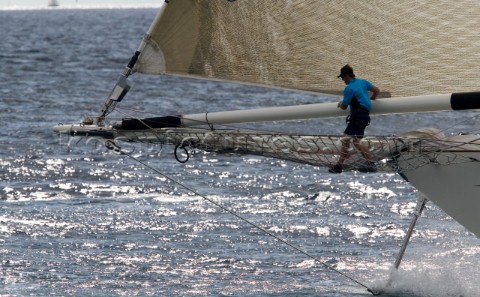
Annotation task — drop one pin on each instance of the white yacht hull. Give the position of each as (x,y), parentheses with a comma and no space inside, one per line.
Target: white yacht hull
(451,180)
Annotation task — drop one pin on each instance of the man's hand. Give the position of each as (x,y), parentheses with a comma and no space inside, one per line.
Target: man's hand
(375,92)
(341,106)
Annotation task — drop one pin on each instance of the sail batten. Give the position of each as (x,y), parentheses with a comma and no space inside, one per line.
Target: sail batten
(406,48)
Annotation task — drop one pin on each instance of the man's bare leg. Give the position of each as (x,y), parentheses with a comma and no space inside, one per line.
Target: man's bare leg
(370,167)
(344,150)
(363,150)
(338,168)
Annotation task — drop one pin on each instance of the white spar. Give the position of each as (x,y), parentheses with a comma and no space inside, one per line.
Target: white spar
(427,103)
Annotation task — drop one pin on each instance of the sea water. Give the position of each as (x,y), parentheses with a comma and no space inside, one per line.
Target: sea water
(79,220)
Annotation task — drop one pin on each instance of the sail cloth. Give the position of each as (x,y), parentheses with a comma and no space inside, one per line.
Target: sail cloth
(406,48)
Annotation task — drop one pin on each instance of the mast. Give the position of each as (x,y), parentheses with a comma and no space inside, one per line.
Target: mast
(122,86)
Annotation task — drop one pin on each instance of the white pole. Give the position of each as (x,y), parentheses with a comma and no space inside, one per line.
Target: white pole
(427,103)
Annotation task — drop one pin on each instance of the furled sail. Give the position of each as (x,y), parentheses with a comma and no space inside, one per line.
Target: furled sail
(407,48)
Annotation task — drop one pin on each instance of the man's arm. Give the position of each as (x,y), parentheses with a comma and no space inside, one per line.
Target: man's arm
(375,92)
(340,105)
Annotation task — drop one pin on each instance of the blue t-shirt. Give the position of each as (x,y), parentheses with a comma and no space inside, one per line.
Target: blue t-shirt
(358,88)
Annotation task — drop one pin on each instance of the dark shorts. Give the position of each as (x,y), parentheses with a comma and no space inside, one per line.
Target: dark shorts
(357,122)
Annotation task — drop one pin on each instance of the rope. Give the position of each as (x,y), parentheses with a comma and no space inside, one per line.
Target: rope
(208,123)
(458,123)
(111,145)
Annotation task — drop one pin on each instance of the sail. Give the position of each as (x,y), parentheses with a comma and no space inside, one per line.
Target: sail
(409,49)
(406,48)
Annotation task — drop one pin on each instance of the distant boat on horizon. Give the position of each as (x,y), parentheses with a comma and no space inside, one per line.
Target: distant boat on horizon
(52,3)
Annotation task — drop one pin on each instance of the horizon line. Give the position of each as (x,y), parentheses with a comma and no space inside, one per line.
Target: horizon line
(69,7)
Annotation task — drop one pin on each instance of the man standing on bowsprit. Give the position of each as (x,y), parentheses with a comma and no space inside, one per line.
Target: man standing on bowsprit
(356,95)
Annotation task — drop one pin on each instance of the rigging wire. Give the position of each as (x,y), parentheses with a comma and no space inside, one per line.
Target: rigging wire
(458,123)
(112,146)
